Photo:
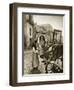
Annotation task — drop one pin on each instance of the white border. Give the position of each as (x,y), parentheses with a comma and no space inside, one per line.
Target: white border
(49,77)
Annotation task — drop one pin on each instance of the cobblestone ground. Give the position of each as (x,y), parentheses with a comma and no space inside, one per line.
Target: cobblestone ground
(27,61)
(28,69)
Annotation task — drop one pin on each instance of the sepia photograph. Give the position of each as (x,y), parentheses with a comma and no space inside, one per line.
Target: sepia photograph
(43,43)
(40,44)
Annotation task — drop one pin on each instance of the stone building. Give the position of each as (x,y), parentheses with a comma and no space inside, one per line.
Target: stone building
(28,30)
(45,30)
(58,36)
(32,32)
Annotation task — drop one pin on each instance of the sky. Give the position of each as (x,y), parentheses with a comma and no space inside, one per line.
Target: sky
(55,21)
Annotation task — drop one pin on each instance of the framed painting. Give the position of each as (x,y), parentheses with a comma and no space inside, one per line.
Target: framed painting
(40,44)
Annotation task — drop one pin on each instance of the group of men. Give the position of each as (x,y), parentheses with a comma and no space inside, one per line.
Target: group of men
(42,59)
